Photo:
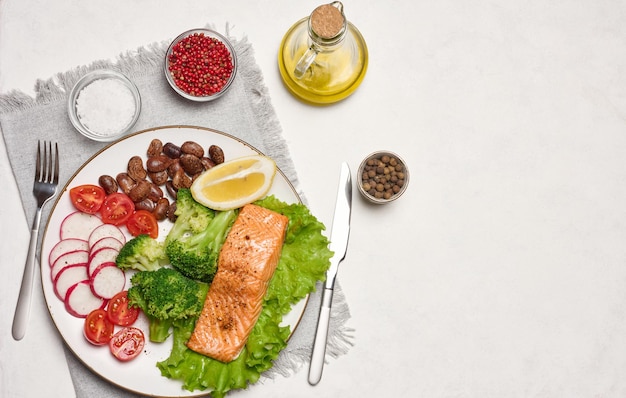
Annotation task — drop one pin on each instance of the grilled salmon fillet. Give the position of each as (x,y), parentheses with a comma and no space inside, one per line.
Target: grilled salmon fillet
(245,266)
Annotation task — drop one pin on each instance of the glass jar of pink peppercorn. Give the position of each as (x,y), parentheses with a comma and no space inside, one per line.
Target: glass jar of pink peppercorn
(200,65)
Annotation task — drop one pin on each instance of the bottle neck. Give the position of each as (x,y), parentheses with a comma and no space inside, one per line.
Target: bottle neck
(328,25)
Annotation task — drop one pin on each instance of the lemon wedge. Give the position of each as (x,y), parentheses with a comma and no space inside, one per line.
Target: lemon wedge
(234,183)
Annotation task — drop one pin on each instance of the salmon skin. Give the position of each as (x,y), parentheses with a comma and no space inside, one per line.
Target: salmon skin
(245,266)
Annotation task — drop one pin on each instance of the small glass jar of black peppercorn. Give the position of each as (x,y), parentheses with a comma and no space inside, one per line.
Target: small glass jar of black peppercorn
(382,177)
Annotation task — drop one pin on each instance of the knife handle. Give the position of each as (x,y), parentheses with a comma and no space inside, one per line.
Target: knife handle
(321,336)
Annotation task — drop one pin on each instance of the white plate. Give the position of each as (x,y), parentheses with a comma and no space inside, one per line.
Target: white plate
(141,374)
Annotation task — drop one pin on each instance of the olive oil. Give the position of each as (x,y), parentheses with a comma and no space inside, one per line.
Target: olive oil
(335,67)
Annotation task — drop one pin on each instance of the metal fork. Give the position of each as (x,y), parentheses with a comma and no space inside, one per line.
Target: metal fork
(46,182)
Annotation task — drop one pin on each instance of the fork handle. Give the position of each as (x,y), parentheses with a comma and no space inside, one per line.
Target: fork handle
(22,309)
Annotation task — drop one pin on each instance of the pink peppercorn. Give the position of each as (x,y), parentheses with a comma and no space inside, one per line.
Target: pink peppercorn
(200,65)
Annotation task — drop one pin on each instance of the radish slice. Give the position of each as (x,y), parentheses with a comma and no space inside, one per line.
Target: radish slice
(79,225)
(80,301)
(67,278)
(107,280)
(78,257)
(104,255)
(107,241)
(66,246)
(106,230)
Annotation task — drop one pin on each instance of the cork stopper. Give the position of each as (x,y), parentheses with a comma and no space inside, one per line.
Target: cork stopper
(327,21)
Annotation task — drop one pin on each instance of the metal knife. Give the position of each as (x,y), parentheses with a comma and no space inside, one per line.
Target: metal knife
(339,235)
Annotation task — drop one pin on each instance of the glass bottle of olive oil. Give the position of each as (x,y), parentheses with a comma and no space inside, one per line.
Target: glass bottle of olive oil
(323,57)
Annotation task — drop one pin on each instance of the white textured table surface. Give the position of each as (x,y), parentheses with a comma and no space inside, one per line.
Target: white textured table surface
(500,273)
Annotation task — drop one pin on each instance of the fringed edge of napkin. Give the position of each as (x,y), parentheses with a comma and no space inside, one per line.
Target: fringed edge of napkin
(131,63)
(291,360)
(268,122)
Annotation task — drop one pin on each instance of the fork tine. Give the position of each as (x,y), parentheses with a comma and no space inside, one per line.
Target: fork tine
(50,160)
(55,178)
(46,168)
(38,162)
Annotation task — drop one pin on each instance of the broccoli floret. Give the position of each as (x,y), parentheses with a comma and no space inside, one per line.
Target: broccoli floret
(194,242)
(142,253)
(166,296)
(191,216)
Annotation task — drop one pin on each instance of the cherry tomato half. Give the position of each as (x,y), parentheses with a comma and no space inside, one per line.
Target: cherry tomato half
(143,222)
(98,329)
(87,198)
(127,343)
(119,312)
(116,208)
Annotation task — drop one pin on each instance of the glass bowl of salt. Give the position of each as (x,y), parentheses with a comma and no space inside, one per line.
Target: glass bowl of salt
(104,105)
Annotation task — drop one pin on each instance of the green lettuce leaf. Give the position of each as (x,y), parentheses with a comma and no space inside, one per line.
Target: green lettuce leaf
(304,260)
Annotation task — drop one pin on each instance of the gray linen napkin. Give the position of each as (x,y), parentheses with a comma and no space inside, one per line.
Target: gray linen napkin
(246,112)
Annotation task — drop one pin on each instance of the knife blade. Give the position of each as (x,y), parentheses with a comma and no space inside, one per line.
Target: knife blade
(339,236)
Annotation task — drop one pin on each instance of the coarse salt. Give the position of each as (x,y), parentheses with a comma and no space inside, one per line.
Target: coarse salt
(105,107)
